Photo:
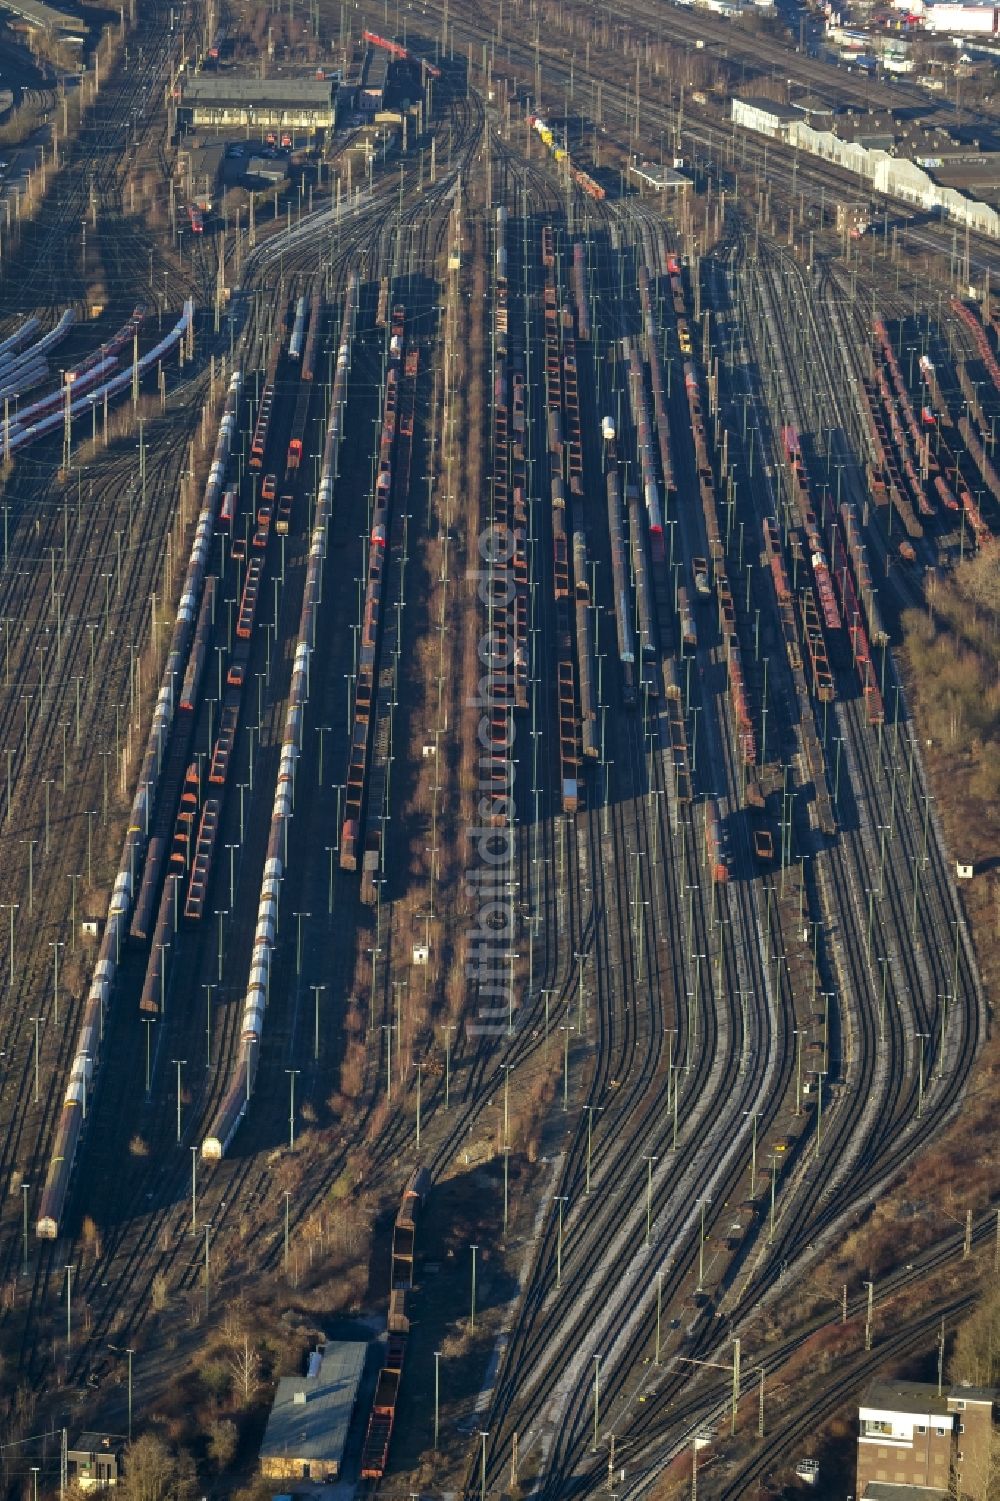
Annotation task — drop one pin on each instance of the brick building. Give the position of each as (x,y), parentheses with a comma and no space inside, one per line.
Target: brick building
(910,1436)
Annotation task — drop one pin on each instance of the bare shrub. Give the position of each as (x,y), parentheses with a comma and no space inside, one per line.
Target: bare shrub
(92,1238)
(223,1441)
(153,1473)
(217,1379)
(975,1359)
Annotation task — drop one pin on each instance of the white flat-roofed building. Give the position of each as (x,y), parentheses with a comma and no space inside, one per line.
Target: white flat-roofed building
(765,115)
(659,178)
(958,20)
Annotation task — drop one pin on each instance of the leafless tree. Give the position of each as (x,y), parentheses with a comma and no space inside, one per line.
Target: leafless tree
(242,1354)
(976,1356)
(223,1441)
(153,1473)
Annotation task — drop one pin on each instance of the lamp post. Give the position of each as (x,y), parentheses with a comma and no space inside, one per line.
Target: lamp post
(232,848)
(69,1309)
(129,1351)
(649,1159)
(448,1030)
(701,1246)
(798,1032)
(827,997)
(547,995)
(590,1129)
(921,1038)
(11,907)
(24,1195)
(753,1151)
(868,1314)
(560,1199)
(472,1310)
(317,992)
(437,1397)
(820,1076)
(55,947)
(179,1064)
(566,1030)
(597,1396)
(38,1022)
(581,960)
(291,1072)
(943,999)
(387,1028)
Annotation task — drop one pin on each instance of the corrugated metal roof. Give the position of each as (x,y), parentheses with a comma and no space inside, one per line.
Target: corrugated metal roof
(316,1428)
(220,89)
(660,177)
(768,106)
(270,169)
(47,16)
(376,68)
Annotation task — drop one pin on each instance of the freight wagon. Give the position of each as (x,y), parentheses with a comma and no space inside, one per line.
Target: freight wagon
(714,849)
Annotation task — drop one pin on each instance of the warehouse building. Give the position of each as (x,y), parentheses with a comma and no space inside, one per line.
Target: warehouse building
(309,1422)
(895,176)
(221,100)
(962,20)
(767,116)
(41,17)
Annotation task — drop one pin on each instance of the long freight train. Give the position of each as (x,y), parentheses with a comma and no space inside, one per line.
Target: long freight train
(88,1048)
(226,1121)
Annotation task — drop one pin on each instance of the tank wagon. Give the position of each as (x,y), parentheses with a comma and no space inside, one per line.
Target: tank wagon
(88,1045)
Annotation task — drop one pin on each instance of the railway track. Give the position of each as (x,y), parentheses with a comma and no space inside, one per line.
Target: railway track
(42,536)
(136,1255)
(799,1219)
(820,1208)
(606,896)
(606,85)
(574,1168)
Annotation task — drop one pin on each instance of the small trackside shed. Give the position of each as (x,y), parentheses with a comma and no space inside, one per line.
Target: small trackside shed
(96,1460)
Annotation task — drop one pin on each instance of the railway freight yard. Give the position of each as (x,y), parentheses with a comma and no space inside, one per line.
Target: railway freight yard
(499,909)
